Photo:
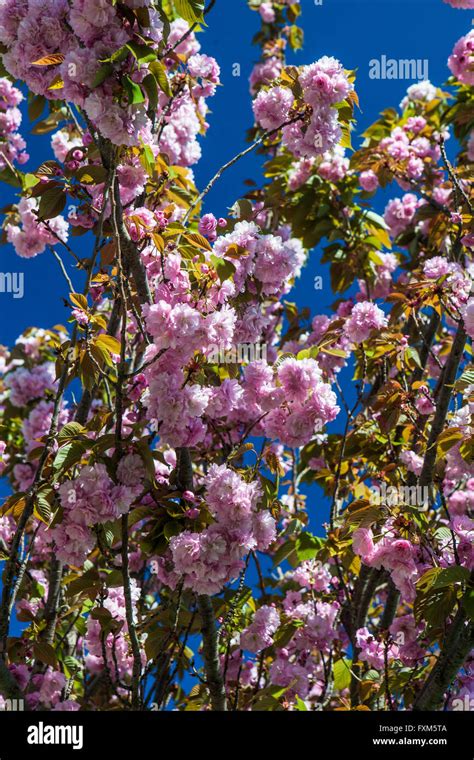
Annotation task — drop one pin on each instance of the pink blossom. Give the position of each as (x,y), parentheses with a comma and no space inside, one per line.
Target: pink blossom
(460,3)
(259,634)
(436,267)
(26,385)
(373,651)
(299,377)
(462,58)
(267,13)
(32,237)
(271,107)
(365,317)
(468,316)
(265,73)
(208,226)
(399,213)
(324,82)
(368,181)
(363,544)
(131,470)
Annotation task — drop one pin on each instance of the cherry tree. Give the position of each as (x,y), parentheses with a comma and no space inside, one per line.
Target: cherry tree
(158,543)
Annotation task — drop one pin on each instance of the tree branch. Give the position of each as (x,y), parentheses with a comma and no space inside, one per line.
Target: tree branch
(458,643)
(442,406)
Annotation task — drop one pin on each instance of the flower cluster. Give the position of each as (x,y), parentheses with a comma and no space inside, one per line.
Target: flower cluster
(364,318)
(399,213)
(12,144)
(414,151)
(395,554)
(309,402)
(208,560)
(259,634)
(272,260)
(114,642)
(27,385)
(372,651)
(30,237)
(91,74)
(461,60)
(91,498)
(324,84)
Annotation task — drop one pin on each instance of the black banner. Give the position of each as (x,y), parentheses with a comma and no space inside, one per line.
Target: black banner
(122,734)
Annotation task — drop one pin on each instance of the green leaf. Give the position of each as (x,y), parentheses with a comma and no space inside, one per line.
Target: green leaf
(172,528)
(119,55)
(466,379)
(468,602)
(440,577)
(434,606)
(225,269)
(342,674)
(42,509)
(29,181)
(197,239)
(283,552)
(36,107)
(69,455)
(243,209)
(190,10)
(146,454)
(447,440)
(91,175)
(134,92)
(72,665)
(109,343)
(142,53)
(79,300)
(307,546)
(413,356)
(102,74)
(53,59)
(10,177)
(296,37)
(159,72)
(88,581)
(151,89)
(52,203)
(300,705)
(378,220)
(466,449)
(154,643)
(45,653)
(286,633)
(269,698)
